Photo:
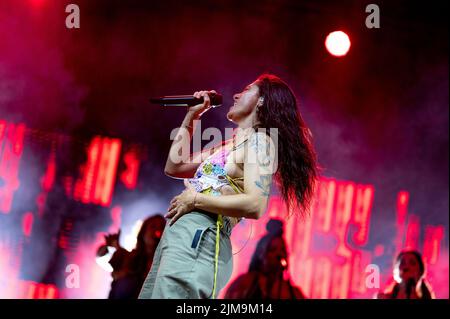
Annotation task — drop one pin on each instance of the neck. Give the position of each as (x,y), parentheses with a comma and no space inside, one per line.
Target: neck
(240,134)
(249,121)
(243,132)
(245,128)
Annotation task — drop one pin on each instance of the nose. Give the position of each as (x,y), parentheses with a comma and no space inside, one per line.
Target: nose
(236,96)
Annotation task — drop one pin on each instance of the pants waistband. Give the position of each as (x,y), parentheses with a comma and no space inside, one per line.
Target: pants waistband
(226,221)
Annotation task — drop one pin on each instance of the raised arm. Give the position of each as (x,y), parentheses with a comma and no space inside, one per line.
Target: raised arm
(184,165)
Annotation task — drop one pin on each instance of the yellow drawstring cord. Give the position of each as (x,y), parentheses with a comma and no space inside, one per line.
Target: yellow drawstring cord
(219,226)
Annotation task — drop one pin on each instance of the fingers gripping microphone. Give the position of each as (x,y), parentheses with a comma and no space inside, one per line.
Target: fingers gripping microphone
(410,285)
(186,100)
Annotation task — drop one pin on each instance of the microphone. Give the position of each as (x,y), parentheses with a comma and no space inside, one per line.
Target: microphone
(410,285)
(186,100)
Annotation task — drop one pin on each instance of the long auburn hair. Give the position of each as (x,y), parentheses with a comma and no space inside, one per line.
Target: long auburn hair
(297,170)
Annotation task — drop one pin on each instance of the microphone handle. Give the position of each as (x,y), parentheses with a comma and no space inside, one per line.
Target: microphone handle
(186,100)
(410,285)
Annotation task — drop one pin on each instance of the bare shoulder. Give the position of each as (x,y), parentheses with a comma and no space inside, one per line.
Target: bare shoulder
(262,151)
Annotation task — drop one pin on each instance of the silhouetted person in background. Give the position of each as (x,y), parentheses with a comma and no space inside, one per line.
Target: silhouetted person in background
(58,235)
(264,279)
(409,271)
(131,268)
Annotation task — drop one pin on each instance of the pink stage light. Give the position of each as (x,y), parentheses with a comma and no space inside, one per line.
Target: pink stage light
(338,43)
(37,3)
(27,223)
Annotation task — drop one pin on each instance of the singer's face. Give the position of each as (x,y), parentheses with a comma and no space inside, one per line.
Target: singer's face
(409,267)
(244,104)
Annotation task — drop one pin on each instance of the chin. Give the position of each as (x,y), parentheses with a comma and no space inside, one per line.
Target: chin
(230,116)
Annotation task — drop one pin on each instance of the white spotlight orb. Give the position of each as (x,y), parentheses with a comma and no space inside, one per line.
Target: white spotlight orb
(338,43)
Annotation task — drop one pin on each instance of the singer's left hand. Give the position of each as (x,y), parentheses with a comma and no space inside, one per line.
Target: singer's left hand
(181,204)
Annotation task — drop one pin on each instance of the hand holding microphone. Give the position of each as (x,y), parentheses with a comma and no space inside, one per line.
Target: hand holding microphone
(410,286)
(197,103)
(201,108)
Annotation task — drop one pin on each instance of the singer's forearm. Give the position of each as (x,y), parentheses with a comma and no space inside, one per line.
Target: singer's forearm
(239,205)
(179,152)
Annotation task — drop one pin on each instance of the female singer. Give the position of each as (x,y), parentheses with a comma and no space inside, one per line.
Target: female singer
(227,183)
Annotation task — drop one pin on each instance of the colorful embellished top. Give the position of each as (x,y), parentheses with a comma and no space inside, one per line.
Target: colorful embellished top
(211,176)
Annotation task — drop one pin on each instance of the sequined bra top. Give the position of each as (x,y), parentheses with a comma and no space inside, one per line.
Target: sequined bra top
(211,176)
